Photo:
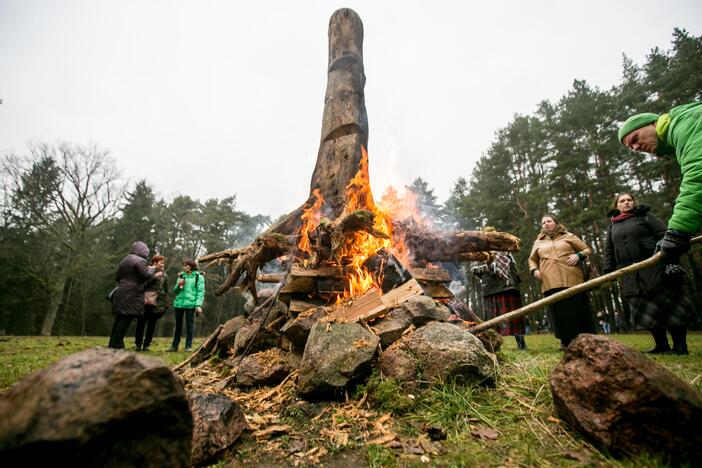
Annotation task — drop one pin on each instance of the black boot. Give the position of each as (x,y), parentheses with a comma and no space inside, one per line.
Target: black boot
(661,340)
(521,344)
(679,334)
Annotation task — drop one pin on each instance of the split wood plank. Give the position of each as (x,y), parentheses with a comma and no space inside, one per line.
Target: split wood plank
(400,294)
(297,284)
(431,274)
(436,290)
(328,272)
(365,307)
(297,305)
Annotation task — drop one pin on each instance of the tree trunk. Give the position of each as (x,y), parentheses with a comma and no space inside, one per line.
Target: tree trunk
(56,295)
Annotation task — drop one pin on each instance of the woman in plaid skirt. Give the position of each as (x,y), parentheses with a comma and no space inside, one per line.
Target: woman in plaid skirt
(655,295)
(499,278)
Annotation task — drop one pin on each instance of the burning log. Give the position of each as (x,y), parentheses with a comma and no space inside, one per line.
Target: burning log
(428,245)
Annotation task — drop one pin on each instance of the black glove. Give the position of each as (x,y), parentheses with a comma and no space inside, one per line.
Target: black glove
(674,243)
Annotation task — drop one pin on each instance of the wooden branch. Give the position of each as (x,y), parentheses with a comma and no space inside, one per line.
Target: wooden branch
(270,277)
(572,291)
(361,220)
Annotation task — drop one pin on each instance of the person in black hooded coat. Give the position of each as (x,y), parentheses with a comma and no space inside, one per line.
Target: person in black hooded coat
(128,301)
(656,299)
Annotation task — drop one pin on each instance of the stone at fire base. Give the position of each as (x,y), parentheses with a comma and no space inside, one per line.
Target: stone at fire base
(217,424)
(298,329)
(262,340)
(438,351)
(491,340)
(620,399)
(390,328)
(227,337)
(99,407)
(265,368)
(424,309)
(336,354)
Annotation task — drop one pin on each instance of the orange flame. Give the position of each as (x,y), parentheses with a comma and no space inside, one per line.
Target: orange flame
(359,246)
(310,220)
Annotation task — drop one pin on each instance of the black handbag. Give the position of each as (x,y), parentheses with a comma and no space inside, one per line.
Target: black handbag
(588,269)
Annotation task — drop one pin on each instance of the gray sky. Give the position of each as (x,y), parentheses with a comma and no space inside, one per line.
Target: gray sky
(211,98)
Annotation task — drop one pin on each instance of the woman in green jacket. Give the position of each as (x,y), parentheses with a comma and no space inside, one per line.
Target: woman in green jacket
(190,293)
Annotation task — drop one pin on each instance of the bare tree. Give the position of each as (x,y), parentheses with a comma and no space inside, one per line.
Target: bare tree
(66,193)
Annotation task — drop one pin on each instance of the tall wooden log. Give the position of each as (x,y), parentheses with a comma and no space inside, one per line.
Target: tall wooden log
(345,122)
(339,163)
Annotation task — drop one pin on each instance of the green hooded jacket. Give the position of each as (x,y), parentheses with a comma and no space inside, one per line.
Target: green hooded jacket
(193,293)
(682,135)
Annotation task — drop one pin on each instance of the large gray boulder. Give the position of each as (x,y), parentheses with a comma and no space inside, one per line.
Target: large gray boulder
(227,337)
(619,399)
(99,407)
(336,354)
(436,352)
(391,327)
(424,309)
(259,337)
(218,422)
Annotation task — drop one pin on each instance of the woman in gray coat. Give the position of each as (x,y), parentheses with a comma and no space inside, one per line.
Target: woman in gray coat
(128,301)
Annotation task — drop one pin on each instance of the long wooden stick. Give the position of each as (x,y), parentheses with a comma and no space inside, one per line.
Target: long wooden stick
(572,291)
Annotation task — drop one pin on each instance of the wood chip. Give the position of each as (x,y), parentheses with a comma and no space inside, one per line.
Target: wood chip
(269,431)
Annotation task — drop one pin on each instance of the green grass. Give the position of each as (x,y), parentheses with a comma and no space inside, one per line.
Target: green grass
(519,408)
(23,355)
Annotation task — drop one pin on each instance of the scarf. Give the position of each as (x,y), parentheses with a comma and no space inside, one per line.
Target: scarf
(501,265)
(622,216)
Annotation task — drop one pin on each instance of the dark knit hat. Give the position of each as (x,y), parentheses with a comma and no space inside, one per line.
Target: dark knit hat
(635,122)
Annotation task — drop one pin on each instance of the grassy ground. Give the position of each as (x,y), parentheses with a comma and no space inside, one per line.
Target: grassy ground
(511,424)
(22,355)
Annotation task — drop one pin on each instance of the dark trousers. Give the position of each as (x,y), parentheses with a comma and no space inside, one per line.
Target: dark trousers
(119,330)
(189,327)
(144,322)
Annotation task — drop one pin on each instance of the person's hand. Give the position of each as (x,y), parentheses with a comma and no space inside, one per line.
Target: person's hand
(537,275)
(158,274)
(674,243)
(572,260)
(198,310)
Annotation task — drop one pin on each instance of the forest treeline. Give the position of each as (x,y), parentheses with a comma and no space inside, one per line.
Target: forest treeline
(565,159)
(67,219)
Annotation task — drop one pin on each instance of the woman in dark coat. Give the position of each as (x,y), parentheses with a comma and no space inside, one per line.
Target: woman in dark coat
(128,301)
(657,301)
(158,286)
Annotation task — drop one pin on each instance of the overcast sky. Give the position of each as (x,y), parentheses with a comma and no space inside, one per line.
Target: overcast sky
(212,98)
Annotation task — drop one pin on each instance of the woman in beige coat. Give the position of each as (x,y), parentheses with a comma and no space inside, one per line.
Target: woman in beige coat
(554,261)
